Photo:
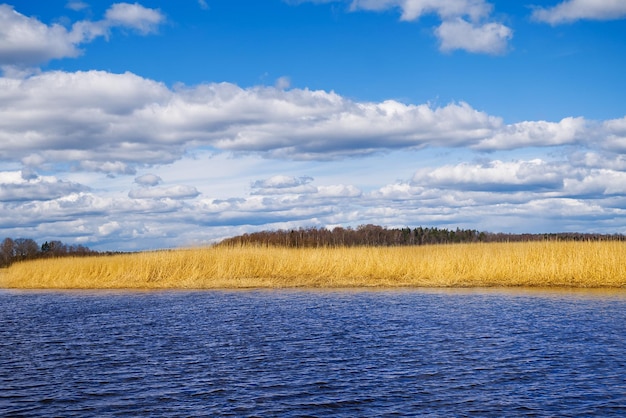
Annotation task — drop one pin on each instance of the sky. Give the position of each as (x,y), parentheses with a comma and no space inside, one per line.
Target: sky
(161,124)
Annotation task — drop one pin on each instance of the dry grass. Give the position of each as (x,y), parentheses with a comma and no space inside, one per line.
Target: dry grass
(541,264)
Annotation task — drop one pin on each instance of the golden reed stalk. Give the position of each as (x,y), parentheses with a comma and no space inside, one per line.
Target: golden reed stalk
(536,264)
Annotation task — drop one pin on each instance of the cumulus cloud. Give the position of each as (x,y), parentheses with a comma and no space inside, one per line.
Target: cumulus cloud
(488,38)
(148,180)
(150,190)
(112,123)
(108,167)
(597,182)
(28,186)
(495,195)
(52,120)
(572,10)
(598,159)
(164,192)
(133,16)
(494,176)
(283,184)
(339,190)
(27,42)
(523,181)
(616,135)
(538,133)
(414,9)
(109,228)
(76,217)
(466,24)
(107,118)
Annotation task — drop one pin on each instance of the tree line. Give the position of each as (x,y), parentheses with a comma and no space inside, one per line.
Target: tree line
(12,250)
(374,235)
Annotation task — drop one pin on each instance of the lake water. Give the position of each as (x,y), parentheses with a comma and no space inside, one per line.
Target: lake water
(313,353)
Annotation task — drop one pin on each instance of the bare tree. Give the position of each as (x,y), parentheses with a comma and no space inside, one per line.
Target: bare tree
(26,248)
(7,252)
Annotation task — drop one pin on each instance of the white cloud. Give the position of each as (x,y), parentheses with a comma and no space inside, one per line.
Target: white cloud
(108,118)
(339,190)
(572,10)
(495,195)
(591,159)
(283,83)
(616,126)
(616,135)
(28,186)
(466,24)
(414,9)
(164,192)
(148,180)
(114,123)
(241,163)
(109,228)
(398,191)
(109,167)
(488,38)
(495,176)
(133,16)
(597,182)
(539,133)
(39,124)
(79,218)
(282,182)
(283,185)
(27,42)
(76,5)
(524,181)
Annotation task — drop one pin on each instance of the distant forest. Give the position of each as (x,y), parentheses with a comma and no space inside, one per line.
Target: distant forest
(12,250)
(374,235)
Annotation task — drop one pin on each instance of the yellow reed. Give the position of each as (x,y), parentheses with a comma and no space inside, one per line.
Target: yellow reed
(536,264)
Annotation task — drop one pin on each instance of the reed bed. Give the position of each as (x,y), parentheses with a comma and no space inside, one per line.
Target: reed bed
(534,264)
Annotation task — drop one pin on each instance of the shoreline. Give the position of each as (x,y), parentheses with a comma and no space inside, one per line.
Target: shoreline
(479,265)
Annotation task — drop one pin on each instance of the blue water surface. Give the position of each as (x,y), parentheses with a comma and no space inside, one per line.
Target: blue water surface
(313,353)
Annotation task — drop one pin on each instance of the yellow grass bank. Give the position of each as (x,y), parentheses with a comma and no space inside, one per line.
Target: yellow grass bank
(540,264)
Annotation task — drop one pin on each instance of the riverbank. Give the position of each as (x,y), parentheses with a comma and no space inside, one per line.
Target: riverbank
(531,264)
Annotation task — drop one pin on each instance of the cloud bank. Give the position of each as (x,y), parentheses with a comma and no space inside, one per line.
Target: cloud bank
(114,123)
(535,195)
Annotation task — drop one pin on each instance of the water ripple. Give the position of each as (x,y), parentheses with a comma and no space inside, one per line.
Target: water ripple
(308,353)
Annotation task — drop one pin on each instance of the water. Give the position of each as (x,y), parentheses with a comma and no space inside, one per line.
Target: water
(313,353)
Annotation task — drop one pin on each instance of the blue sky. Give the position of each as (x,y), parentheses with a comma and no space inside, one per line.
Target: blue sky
(162,124)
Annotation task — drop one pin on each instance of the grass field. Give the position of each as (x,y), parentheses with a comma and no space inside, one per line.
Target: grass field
(535,264)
